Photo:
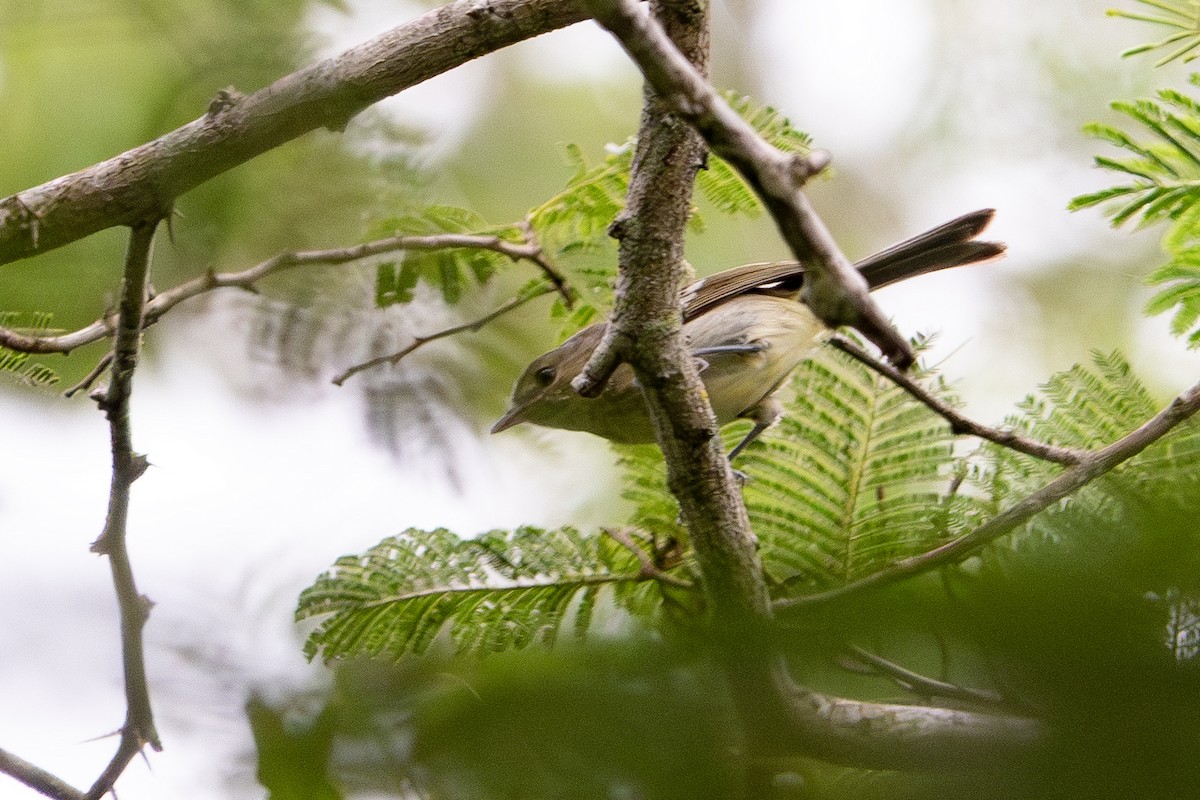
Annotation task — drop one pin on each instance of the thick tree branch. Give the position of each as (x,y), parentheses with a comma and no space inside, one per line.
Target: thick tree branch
(893,736)
(138,729)
(136,184)
(37,778)
(833,289)
(1091,467)
(781,717)
(161,303)
(646,330)
(959,423)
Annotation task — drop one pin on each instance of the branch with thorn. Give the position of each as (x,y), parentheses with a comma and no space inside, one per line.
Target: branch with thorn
(138,730)
(247,280)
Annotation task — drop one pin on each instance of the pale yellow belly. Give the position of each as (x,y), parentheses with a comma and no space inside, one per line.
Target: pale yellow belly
(736,382)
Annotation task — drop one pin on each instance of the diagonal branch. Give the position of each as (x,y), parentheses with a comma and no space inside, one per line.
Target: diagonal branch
(161,303)
(833,289)
(1091,467)
(134,185)
(138,729)
(37,778)
(923,685)
(420,341)
(959,423)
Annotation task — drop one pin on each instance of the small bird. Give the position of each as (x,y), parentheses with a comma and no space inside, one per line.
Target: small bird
(749,329)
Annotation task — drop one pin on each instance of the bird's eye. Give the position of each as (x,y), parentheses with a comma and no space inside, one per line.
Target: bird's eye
(545,376)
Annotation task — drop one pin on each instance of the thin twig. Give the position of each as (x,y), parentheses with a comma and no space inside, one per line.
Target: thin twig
(1093,465)
(960,424)
(165,301)
(92,376)
(37,778)
(648,569)
(923,685)
(538,256)
(420,341)
(138,729)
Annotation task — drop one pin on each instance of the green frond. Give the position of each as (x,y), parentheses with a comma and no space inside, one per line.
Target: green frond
(645,487)
(1181,292)
(721,184)
(856,475)
(580,214)
(1164,166)
(504,590)
(448,269)
(17,366)
(1181,15)
(1090,408)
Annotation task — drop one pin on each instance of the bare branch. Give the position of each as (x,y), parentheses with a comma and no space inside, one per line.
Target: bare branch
(959,423)
(923,685)
(833,289)
(37,778)
(888,735)
(1091,467)
(137,184)
(421,341)
(94,375)
(138,729)
(165,301)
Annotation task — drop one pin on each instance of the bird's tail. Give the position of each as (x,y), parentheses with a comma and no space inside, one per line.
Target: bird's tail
(951,244)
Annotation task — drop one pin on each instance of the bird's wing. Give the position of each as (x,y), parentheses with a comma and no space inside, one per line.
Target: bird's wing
(773,277)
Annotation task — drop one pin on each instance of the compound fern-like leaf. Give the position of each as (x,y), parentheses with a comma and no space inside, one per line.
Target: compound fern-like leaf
(504,590)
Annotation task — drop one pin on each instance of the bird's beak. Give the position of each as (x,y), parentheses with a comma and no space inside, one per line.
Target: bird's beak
(514,416)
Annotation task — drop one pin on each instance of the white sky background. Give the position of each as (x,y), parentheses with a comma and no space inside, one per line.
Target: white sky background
(248,501)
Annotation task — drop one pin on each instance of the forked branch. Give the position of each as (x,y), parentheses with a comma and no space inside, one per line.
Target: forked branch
(138,729)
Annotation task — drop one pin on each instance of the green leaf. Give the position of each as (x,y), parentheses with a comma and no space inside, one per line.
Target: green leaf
(504,590)
(447,269)
(721,184)
(17,365)
(1179,15)
(856,475)
(1164,162)
(1089,408)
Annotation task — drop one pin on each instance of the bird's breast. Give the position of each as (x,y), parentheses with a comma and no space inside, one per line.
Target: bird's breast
(778,332)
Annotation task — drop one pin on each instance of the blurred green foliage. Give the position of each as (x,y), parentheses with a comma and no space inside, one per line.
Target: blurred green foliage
(1087,617)
(83,80)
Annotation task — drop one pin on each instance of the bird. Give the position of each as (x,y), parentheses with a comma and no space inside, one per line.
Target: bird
(748,327)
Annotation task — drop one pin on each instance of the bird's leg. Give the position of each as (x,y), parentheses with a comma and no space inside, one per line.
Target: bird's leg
(765,414)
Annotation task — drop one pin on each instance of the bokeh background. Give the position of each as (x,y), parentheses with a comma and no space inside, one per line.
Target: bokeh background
(264,472)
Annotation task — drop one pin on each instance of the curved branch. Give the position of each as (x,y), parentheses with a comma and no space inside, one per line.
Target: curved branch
(139,183)
(246,279)
(959,423)
(1091,467)
(37,778)
(833,289)
(895,736)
